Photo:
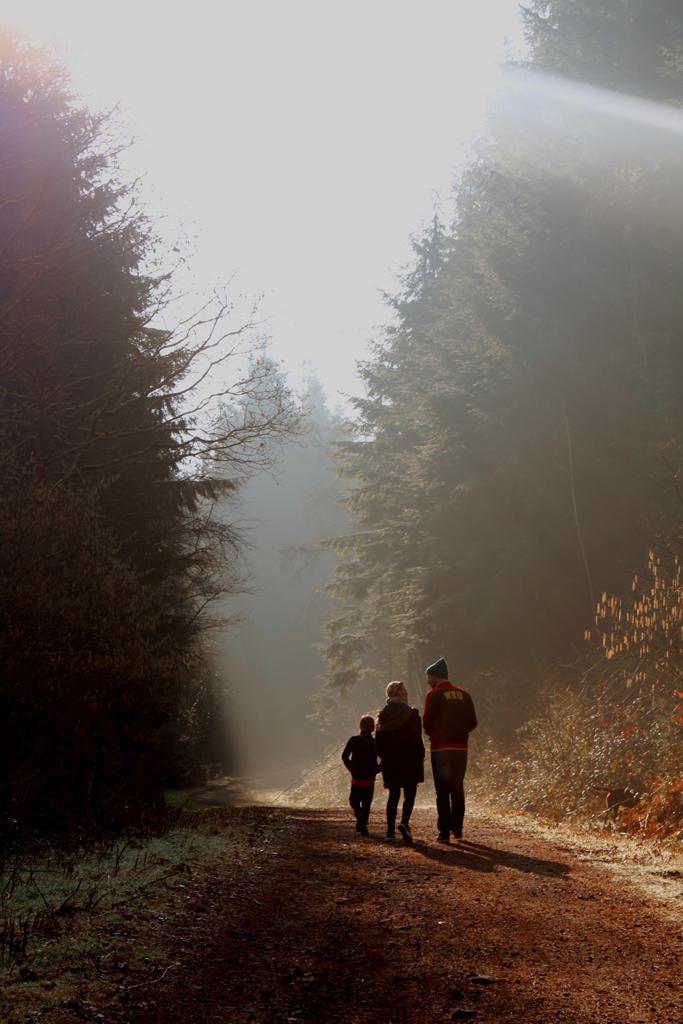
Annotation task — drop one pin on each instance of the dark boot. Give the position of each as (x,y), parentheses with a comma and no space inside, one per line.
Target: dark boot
(406,833)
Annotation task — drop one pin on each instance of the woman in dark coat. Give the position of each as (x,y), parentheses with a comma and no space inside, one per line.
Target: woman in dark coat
(399,745)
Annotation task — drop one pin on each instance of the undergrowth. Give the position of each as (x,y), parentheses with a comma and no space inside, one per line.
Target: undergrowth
(582,746)
(46,881)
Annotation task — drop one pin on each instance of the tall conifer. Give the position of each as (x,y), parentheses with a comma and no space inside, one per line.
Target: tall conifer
(109,555)
(514,443)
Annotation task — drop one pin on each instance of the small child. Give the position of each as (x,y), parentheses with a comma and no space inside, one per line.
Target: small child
(360,757)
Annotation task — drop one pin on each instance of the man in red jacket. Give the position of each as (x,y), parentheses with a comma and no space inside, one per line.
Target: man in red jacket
(448,719)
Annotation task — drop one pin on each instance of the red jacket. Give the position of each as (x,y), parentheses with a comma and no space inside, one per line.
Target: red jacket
(449,716)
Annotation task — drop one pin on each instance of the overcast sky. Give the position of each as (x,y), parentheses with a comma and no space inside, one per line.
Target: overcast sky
(296,143)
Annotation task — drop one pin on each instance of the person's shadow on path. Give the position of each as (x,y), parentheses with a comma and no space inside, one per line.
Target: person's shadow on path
(478,857)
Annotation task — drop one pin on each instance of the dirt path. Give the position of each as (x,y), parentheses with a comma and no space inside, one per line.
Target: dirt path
(329,927)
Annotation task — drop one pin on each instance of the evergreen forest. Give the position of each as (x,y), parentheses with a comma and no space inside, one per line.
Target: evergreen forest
(193,554)
(514,478)
(118,436)
(337,688)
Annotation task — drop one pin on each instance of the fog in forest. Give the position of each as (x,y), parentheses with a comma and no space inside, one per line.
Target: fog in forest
(411,388)
(538,127)
(270,660)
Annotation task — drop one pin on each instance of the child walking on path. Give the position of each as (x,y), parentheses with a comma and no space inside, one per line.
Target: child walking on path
(360,757)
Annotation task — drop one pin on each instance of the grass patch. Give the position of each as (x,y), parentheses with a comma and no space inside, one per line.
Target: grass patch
(81,930)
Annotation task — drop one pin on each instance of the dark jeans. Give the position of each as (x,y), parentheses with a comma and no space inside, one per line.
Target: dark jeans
(448,768)
(409,793)
(360,799)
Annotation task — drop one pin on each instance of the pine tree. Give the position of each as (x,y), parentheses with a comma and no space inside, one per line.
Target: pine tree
(508,460)
(110,552)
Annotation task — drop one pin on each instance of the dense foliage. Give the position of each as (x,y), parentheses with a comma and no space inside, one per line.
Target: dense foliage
(109,553)
(517,442)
